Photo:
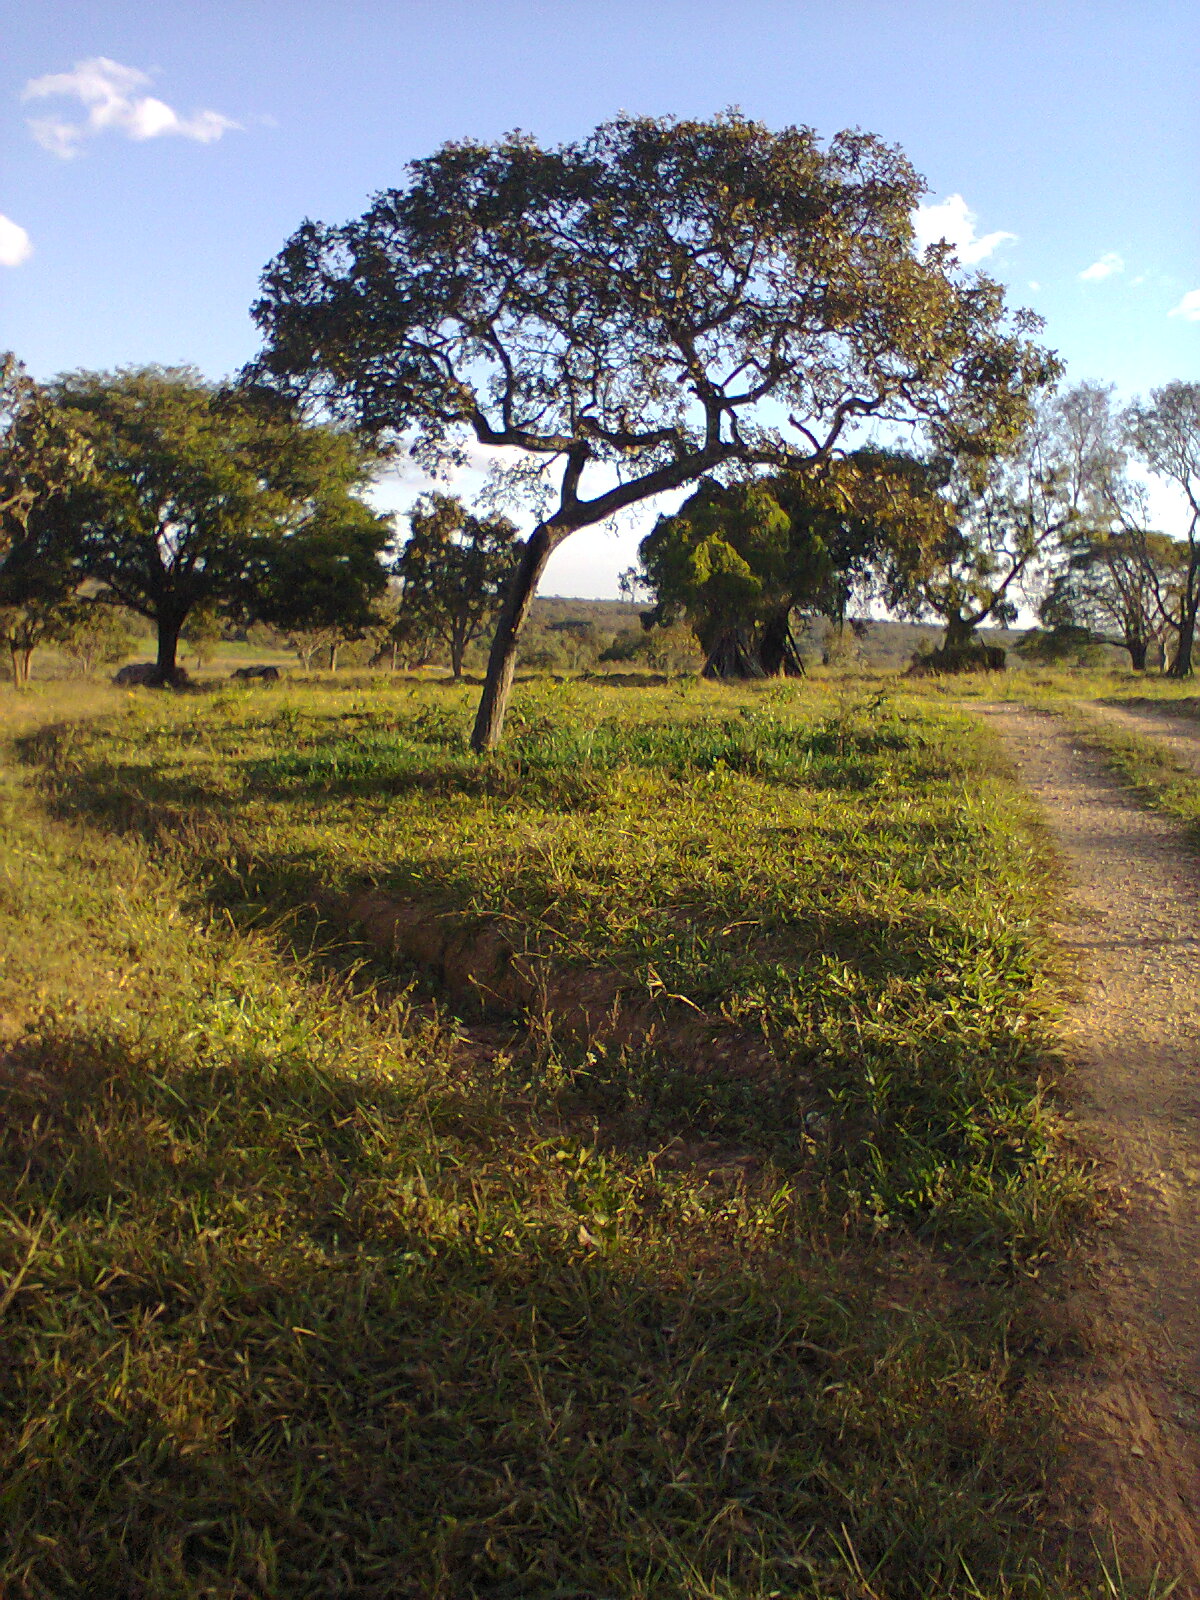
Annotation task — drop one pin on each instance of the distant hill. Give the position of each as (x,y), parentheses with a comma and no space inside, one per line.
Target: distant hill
(884,644)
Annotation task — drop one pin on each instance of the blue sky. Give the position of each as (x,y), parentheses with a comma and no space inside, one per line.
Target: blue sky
(142,192)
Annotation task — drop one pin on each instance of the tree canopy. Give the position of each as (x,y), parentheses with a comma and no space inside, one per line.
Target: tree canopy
(42,452)
(655,303)
(1000,524)
(454,568)
(203,496)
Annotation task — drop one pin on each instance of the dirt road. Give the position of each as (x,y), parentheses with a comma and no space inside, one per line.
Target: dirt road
(1135,1034)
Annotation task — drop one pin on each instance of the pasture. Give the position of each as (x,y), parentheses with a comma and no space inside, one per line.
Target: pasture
(696,1249)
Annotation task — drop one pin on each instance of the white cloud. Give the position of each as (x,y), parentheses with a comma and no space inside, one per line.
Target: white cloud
(1034,284)
(954,221)
(15,244)
(1189,307)
(109,92)
(1109,264)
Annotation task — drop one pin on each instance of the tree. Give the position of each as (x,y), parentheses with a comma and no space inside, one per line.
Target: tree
(659,302)
(1115,574)
(202,632)
(322,586)
(737,560)
(402,638)
(1128,582)
(723,563)
(22,629)
(454,569)
(206,497)
(662,648)
(92,634)
(579,639)
(997,526)
(1165,433)
(35,585)
(43,453)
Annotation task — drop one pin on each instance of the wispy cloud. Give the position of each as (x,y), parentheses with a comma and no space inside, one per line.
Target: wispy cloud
(953,221)
(15,244)
(1109,264)
(109,91)
(1188,308)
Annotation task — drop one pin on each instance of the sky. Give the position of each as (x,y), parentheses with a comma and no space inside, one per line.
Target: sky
(156,156)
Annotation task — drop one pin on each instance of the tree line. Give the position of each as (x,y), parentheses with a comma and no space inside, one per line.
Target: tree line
(1061,522)
(198,507)
(702,305)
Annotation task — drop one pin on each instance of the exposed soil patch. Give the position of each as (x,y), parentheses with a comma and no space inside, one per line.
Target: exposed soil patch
(478,966)
(1135,1034)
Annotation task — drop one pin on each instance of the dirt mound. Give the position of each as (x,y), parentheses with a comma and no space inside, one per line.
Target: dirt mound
(478,965)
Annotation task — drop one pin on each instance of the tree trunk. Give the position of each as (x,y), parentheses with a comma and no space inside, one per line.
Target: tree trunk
(1181,665)
(502,659)
(168,648)
(733,655)
(333,650)
(395,653)
(778,652)
(456,659)
(959,634)
(1181,662)
(26,659)
(1137,653)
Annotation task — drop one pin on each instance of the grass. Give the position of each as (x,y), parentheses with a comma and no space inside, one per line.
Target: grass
(320,1284)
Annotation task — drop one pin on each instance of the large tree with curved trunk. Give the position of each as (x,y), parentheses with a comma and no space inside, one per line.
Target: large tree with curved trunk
(660,301)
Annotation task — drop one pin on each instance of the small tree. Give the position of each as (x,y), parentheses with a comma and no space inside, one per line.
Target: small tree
(662,301)
(723,563)
(1127,582)
(322,587)
(22,629)
(454,570)
(1165,433)
(1115,574)
(738,560)
(578,638)
(670,648)
(998,525)
(35,585)
(202,633)
(309,643)
(91,634)
(403,638)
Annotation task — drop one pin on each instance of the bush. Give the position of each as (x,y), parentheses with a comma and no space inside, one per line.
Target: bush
(973,657)
(1065,645)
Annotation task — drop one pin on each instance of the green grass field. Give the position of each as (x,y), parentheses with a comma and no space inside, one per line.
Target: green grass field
(323,1278)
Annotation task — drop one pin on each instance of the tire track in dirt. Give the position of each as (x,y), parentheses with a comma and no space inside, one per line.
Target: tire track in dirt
(1134,1033)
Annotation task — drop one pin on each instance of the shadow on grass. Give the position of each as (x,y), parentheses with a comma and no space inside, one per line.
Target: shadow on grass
(308,1335)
